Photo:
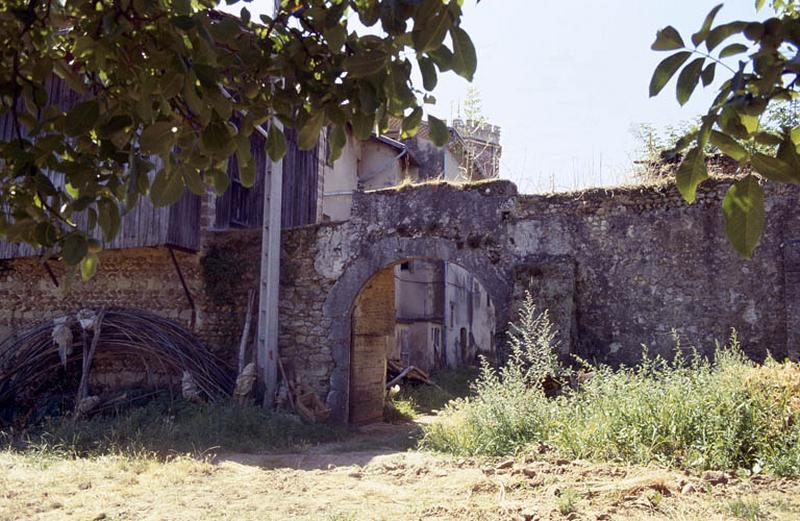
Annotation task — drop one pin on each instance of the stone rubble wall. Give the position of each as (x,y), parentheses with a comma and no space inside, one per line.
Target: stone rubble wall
(617,268)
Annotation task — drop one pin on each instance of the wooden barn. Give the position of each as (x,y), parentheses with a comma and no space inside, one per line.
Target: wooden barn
(179,226)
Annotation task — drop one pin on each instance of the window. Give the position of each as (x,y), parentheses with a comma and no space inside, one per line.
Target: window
(405,266)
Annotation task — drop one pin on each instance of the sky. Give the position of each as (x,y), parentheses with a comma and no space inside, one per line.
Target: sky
(568,82)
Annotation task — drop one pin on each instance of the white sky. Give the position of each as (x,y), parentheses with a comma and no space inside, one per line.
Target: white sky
(568,81)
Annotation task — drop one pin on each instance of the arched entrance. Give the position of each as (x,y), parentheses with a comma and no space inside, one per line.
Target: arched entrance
(416,312)
(343,299)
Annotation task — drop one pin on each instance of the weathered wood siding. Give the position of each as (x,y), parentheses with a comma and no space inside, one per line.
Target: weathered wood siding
(300,177)
(179,225)
(242,207)
(144,225)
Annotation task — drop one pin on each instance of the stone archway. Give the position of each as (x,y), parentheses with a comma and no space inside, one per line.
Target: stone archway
(495,278)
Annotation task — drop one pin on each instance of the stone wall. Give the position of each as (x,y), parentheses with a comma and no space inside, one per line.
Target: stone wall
(617,269)
(647,263)
(303,326)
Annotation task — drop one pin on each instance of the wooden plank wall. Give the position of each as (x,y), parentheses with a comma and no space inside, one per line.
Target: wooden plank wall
(144,225)
(300,177)
(242,207)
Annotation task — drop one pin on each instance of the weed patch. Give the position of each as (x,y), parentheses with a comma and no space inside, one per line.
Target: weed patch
(727,413)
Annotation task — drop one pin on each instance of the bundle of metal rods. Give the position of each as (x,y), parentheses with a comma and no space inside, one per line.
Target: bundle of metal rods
(30,356)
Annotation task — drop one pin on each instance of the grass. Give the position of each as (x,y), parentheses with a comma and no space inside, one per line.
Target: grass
(689,413)
(162,427)
(746,509)
(568,501)
(415,400)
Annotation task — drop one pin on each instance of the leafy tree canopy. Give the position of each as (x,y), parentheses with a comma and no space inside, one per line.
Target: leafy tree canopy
(178,87)
(761,63)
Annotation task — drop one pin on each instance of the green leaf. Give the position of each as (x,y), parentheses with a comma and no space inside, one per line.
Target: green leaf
(363,125)
(750,122)
(89,266)
(666,70)
(221,181)
(443,58)
(440,134)
(731,124)
(216,137)
(115,124)
(728,146)
(74,248)
(691,172)
(365,64)
(81,118)
(465,60)
(336,141)
(411,123)
(247,174)
(428,70)
(167,188)
(688,80)
(743,207)
(766,138)
(192,179)
(45,234)
(775,169)
(433,21)
(699,36)
(732,50)
(335,35)
(667,39)
(708,74)
(309,134)
(721,32)
(157,138)
(109,218)
(276,142)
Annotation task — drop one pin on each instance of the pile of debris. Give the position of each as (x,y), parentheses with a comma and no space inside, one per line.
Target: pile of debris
(395,373)
(296,396)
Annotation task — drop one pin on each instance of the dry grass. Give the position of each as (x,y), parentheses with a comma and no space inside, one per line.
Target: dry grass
(328,483)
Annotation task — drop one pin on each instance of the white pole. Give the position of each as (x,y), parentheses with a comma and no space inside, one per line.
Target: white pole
(270,273)
(269,287)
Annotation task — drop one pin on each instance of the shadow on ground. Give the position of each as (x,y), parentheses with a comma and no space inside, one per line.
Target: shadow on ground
(367,444)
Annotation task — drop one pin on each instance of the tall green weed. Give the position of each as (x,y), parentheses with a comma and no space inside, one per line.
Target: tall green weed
(689,412)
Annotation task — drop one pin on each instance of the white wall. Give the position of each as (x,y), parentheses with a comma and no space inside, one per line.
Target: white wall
(363,165)
(432,294)
(469,318)
(380,167)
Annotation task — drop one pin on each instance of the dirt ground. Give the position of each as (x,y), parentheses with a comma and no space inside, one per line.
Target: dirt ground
(375,476)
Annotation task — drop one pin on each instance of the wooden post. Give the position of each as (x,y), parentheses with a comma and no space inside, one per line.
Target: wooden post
(251,296)
(267,345)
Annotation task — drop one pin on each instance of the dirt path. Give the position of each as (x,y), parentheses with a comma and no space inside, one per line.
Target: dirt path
(374,477)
